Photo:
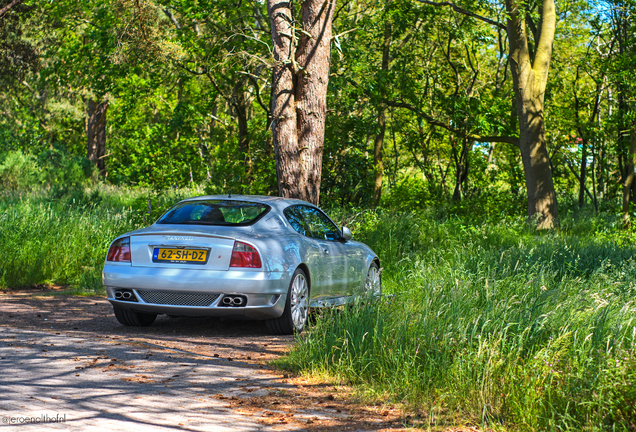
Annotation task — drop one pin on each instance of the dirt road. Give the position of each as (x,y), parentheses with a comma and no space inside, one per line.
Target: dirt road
(67,364)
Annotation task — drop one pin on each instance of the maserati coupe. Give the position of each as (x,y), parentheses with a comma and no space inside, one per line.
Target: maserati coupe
(253,257)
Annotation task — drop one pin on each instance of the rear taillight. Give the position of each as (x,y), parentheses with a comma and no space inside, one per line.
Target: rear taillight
(120,250)
(244,255)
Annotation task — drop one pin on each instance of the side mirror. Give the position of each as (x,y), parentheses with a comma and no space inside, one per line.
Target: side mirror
(346,233)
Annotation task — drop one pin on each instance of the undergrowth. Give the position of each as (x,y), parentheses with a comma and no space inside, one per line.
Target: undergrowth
(492,324)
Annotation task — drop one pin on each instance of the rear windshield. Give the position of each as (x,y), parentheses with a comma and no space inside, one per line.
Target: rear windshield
(214,212)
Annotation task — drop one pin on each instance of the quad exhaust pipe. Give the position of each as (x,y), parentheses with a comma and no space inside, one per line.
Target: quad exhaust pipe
(231,300)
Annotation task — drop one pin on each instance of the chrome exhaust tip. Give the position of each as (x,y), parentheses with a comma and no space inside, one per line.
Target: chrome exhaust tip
(227,300)
(118,295)
(238,301)
(126,295)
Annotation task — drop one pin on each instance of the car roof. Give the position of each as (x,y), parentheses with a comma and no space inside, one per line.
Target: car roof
(279,202)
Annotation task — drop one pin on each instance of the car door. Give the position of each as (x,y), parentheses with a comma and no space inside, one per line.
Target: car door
(313,254)
(334,274)
(356,267)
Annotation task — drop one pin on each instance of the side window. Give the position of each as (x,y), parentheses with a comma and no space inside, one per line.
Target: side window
(320,226)
(296,221)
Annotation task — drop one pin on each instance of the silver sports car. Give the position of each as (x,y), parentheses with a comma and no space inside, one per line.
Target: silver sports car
(256,257)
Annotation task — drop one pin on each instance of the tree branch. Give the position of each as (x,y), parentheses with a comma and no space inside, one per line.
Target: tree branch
(172,18)
(254,80)
(506,139)
(344,33)
(9,6)
(464,11)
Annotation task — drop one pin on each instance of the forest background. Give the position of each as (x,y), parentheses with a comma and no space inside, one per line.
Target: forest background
(113,110)
(162,94)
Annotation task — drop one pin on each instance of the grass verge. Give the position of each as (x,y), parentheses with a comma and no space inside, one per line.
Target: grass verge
(490,323)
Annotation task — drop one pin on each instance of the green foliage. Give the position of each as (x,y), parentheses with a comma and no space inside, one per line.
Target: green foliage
(58,172)
(18,54)
(18,171)
(61,170)
(179,77)
(489,323)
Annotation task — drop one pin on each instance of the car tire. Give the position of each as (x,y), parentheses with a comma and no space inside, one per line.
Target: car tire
(373,283)
(296,313)
(131,318)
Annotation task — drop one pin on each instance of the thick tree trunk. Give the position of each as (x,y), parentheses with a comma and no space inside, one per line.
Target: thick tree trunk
(284,134)
(299,96)
(530,78)
(314,57)
(542,203)
(628,181)
(96,133)
(378,165)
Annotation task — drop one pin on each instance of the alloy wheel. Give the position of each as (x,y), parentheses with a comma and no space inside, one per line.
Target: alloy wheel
(373,285)
(299,301)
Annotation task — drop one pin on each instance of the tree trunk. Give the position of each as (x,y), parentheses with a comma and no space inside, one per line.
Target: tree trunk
(299,94)
(583,175)
(241,102)
(530,80)
(96,132)
(461,169)
(284,134)
(314,57)
(629,181)
(378,166)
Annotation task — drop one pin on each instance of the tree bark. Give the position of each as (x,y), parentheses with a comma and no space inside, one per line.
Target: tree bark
(629,181)
(96,133)
(299,94)
(530,79)
(284,133)
(378,165)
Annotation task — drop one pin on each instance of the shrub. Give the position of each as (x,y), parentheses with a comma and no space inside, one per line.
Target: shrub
(63,172)
(18,171)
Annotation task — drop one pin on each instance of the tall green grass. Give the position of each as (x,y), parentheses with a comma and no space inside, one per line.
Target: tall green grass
(490,324)
(483,321)
(64,241)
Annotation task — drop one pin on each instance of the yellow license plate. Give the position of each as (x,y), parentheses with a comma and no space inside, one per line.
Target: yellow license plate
(193,256)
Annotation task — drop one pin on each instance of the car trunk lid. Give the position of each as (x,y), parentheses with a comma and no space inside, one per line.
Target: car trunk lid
(205,251)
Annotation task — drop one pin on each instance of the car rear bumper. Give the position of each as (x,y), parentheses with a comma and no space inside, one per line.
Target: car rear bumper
(193,292)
